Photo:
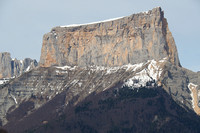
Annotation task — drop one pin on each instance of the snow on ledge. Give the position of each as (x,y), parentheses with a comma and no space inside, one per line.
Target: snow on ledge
(67,67)
(76,25)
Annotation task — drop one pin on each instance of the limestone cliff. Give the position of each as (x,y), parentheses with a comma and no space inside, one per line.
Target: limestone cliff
(12,67)
(133,39)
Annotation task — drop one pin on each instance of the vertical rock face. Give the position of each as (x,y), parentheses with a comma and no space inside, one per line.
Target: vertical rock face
(133,39)
(13,67)
(5,66)
(20,66)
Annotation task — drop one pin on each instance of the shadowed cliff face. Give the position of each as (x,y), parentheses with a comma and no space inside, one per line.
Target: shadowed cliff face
(133,39)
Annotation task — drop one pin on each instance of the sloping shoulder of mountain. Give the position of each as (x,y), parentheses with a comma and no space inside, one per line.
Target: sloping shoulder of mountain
(125,110)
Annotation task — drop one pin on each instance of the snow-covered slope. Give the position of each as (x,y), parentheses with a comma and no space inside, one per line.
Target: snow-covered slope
(150,73)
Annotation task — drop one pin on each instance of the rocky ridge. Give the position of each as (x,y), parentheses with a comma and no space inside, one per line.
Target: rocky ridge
(12,67)
(42,84)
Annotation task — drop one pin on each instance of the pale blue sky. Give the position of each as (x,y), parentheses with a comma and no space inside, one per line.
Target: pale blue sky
(24,22)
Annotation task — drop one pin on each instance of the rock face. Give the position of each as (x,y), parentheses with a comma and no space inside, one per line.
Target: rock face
(133,39)
(176,81)
(13,67)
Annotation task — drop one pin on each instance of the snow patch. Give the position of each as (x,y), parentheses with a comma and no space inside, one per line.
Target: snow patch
(140,79)
(151,73)
(21,61)
(3,81)
(192,88)
(154,70)
(28,69)
(67,68)
(110,70)
(74,82)
(80,84)
(61,72)
(90,91)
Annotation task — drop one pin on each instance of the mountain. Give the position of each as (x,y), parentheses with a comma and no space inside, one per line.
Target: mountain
(133,39)
(12,67)
(119,75)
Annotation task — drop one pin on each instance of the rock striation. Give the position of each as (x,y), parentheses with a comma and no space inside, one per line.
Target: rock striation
(12,67)
(133,39)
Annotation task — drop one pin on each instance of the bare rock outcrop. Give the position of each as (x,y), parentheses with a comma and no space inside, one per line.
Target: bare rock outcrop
(133,39)
(12,67)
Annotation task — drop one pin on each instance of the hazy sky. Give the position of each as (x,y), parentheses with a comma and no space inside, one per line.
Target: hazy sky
(24,22)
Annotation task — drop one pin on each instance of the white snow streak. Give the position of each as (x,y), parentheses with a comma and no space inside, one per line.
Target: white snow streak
(14,98)
(75,25)
(28,69)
